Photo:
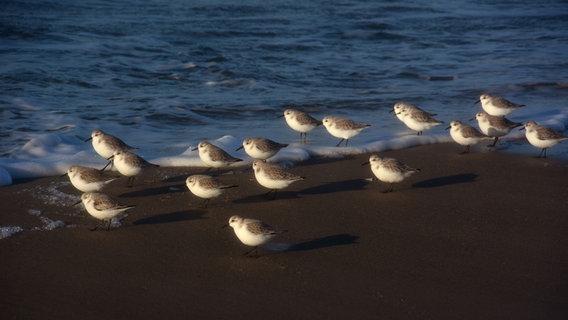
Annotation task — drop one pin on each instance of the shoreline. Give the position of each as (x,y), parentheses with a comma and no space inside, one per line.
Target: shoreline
(480,235)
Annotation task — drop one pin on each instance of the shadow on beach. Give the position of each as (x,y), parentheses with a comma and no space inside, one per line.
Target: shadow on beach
(172,217)
(447,180)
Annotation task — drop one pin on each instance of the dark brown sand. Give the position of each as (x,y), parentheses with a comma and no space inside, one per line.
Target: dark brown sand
(476,236)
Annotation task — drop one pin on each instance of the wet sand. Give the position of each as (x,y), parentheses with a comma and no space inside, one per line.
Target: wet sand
(475,236)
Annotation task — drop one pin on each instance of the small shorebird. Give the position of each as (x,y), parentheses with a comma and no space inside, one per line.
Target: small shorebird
(252,232)
(261,148)
(389,170)
(400,109)
(343,128)
(415,118)
(106,144)
(273,177)
(497,106)
(206,187)
(495,126)
(301,122)
(542,137)
(465,135)
(102,207)
(87,179)
(130,164)
(214,156)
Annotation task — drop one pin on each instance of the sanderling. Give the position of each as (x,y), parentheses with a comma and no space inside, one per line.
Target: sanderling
(87,179)
(214,156)
(301,122)
(400,109)
(252,232)
(417,119)
(106,145)
(102,207)
(261,148)
(206,187)
(465,135)
(343,128)
(129,164)
(389,170)
(497,106)
(495,126)
(542,137)
(272,176)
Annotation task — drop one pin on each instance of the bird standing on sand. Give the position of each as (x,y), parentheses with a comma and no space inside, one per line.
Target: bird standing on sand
(252,232)
(273,177)
(106,144)
(87,179)
(206,187)
(465,135)
(495,126)
(390,170)
(542,137)
(214,156)
(497,106)
(343,128)
(130,164)
(102,207)
(415,118)
(261,148)
(301,122)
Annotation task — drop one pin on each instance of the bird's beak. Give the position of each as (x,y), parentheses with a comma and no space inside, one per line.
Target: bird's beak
(76,203)
(472,119)
(194,148)
(111,157)
(365,163)
(523,128)
(63,175)
(89,138)
(239,148)
(391,110)
(476,102)
(448,127)
(224,226)
(281,116)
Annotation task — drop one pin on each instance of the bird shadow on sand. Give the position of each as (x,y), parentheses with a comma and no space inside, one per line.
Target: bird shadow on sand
(153,191)
(313,244)
(172,217)
(337,186)
(447,180)
(263,197)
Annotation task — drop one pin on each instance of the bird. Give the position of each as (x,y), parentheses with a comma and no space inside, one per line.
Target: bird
(273,177)
(261,148)
(389,170)
(400,108)
(542,137)
(343,128)
(214,156)
(301,122)
(495,126)
(102,207)
(252,232)
(106,144)
(206,187)
(465,135)
(497,106)
(87,179)
(415,118)
(130,164)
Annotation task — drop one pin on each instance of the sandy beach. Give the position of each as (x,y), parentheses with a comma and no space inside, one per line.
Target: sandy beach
(474,236)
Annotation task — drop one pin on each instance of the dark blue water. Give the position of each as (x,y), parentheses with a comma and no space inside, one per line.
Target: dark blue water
(163,75)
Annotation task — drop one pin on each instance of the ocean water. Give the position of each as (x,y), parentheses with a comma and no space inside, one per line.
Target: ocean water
(163,75)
